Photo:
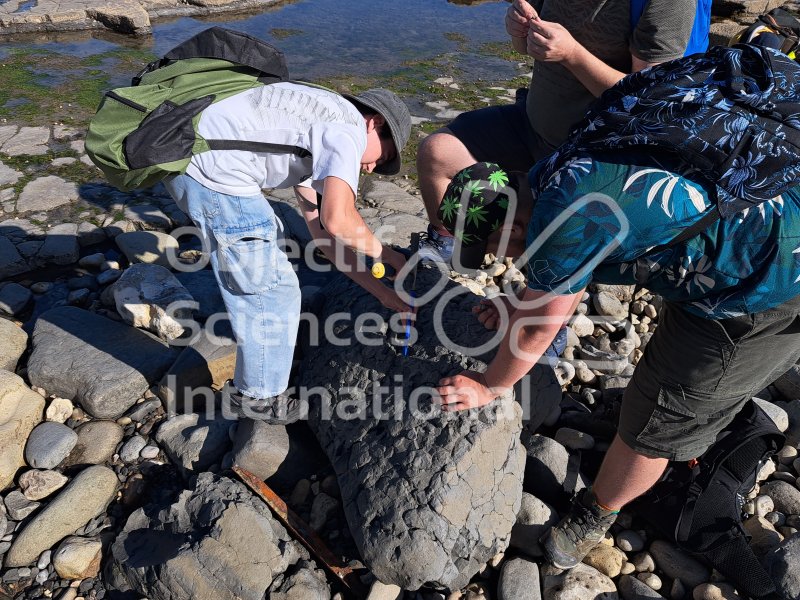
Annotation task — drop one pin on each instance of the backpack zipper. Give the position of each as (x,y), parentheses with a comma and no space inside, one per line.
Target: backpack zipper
(126,102)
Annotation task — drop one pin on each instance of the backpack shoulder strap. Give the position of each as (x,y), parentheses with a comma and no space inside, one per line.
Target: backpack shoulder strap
(266,146)
(257,147)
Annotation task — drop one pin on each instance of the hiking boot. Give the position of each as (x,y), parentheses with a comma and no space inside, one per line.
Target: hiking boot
(282,409)
(436,247)
(582,529)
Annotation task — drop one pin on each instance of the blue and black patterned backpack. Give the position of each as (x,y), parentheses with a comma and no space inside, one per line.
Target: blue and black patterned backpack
(733,113)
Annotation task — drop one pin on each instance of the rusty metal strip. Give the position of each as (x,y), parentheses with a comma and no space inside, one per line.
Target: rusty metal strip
(304,534)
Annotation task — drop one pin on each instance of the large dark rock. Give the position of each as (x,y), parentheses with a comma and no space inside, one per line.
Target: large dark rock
(783,565)
(104,365)
(547,470)
(429,497)
(217,541)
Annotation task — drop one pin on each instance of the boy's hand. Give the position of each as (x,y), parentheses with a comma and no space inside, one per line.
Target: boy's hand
(550,42)
(393,258)
(389,298)
(466,390)
(518,16)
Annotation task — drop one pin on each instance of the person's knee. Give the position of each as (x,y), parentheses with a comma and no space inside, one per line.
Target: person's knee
(442,152)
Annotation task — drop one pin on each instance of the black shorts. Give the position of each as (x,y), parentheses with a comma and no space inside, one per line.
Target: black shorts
(696,374)
(501,134)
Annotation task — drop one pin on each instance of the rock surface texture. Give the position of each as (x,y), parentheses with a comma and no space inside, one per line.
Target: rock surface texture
(20,411)
(427,498)
(215,541)
(104,365)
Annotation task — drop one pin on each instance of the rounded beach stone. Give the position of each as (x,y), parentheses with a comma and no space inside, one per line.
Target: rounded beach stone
(48,444)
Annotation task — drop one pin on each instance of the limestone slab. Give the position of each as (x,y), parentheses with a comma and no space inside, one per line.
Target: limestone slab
(15,340)
(102,364)
(46,193)
(28,140)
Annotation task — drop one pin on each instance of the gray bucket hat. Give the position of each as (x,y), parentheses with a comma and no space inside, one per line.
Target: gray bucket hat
(391,108)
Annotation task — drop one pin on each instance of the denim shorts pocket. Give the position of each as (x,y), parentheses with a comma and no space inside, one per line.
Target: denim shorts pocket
(248,257)
(676,423)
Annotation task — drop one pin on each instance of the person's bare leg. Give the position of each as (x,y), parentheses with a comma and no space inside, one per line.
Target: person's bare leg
(439,157)
(625,475)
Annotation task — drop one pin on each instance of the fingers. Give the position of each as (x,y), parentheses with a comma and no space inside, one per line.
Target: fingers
(537,47)
(518,16)
(489,319)
(525,9)
(540,27)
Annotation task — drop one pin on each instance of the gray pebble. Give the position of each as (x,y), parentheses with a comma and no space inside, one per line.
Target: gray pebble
(763,505)
(651,579)
(629,541)
(18,506)
(787,455)
(44,559)
(149,452)
(141,411)
(109,276)
(130,451)
(48,444)
(644,563)
(41,287)
(778,519)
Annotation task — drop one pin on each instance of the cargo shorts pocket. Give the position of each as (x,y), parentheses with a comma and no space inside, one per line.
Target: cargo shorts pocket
(248,261)
(676,425)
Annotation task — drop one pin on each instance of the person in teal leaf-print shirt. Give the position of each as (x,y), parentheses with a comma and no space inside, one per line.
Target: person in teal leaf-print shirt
(729,327)
(735,267)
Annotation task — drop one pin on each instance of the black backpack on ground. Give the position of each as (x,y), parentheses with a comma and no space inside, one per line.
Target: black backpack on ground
(699,505)
(778,29)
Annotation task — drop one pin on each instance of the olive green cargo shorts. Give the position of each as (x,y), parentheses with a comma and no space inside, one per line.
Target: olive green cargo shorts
(697,373)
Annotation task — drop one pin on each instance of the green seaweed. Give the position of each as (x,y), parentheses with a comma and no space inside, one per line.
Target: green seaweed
(281,34)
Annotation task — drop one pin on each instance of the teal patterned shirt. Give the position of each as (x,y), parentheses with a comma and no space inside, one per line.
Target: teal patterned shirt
(598,220)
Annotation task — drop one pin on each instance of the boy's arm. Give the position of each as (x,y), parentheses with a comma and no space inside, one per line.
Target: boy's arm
(341,219)
(531,330)
(342,256)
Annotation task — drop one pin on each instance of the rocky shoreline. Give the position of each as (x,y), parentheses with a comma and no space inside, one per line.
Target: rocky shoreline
(123,16)
(115,476)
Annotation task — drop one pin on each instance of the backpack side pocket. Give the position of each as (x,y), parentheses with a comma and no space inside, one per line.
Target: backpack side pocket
(166,135)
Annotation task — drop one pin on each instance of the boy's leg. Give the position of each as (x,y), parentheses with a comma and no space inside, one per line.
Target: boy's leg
(693,378)
(256,279)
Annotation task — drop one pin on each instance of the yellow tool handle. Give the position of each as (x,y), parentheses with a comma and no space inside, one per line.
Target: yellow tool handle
(378,270)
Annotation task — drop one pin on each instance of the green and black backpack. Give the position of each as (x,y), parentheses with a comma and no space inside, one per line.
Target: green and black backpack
(145,132)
